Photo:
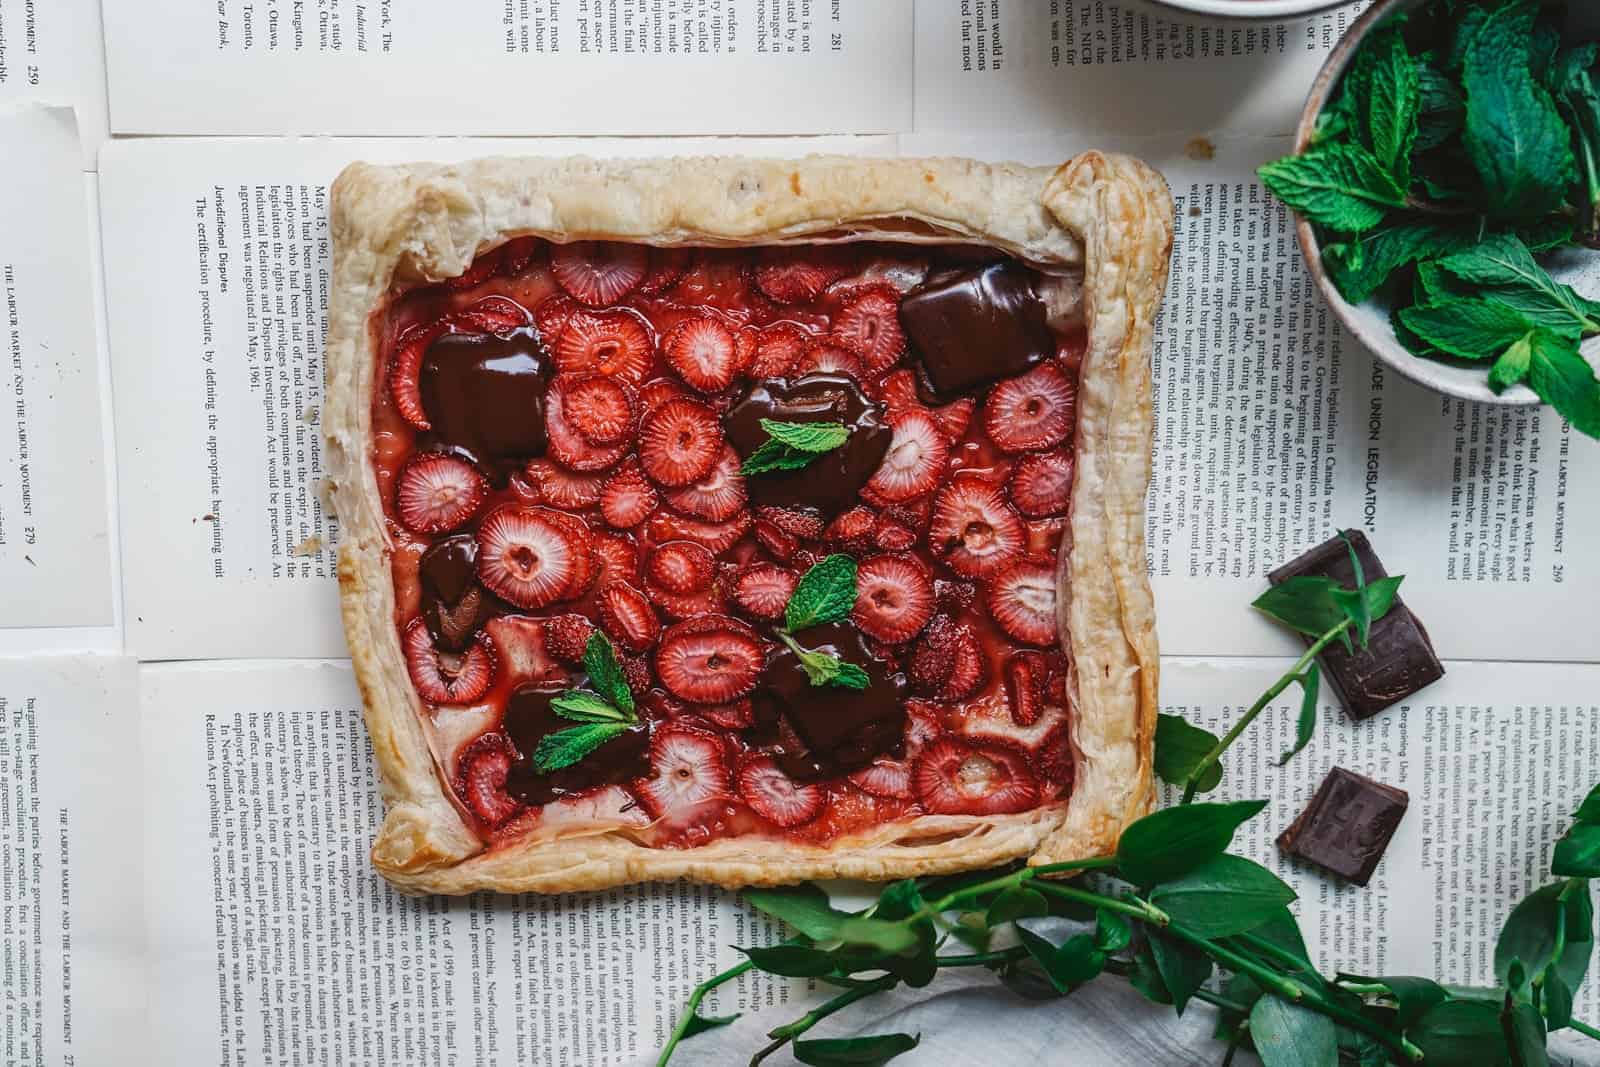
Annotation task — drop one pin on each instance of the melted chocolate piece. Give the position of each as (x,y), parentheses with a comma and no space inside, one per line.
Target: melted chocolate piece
(974,327)
(1398,660)
(454,605)
(1347,825)
(529,717)
(485,393)
(826,731)
(832,482)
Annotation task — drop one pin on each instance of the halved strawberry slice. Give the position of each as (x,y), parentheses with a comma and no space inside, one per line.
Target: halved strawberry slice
(778,544)
(628,498)
(974,529)
(1022,599)
(804,525)
(627,617)
(601,408)
(799,275)
(567,636)
(681,567)
(716,497)
(679,443)
(1032,411)
(480,782)
(763,589)
(852,530)
(447,677)
(551,316)
(615,343)
(954,417)
(775,796)
(562,488)
(916,459)
(616,559)
(480,270)
(954,778)
(660,390)
(869,325)
(710,660)
(894,598)
(886,777)
(528,555)
(825,357)
(585,565)
(849,811)
(701,351)
(437,492)
(667,268)
(1041,485)
(517,253)
(567,445)
(1025,684)
(778,348)
(636,672)
(947,662)
(736,715)
(685,605)
(405,366)
(689,775)
(598,273)
(890,536)
(718,537)
(897,392)
(521,651)
(1054,763)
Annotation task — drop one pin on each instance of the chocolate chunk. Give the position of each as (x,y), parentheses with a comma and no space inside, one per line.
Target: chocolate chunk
(974,327)
(529,718)
(454,605)
(1347,825)
(832,482)
(485,393)
(826,731)
(1398,660)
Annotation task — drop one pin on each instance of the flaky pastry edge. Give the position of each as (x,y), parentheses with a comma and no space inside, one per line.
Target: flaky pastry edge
(1108,214)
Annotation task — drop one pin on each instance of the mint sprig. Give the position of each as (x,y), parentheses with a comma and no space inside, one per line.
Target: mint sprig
(605,712)
(824,668)
(825,593)
(793,445)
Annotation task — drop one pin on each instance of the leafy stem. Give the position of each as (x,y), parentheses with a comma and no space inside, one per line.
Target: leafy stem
(691,1010)
(782,1035)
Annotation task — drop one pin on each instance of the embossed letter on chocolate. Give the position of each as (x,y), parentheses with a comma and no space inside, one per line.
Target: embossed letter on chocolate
(1347,826)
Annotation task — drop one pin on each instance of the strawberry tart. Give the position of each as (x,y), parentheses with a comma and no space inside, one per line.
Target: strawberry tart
(745,521)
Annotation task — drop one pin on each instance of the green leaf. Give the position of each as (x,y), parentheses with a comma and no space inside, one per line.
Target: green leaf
(1304,603)
(898,900)
(1412,996)
(1075,962)
(1306,725)
(804,907)
(1183,968)
(1578,852)
(566,747)
(1564,380)
(826,593)
(1281,929)
(605,673)
(1557,1001)
(1170,843)
(1392,99)
(585,706)
(1512,366)
(792,961)
(1529,934)
(1461,1031)
(1112,933)
(1146,976)
(869,1051)
(1227,895)
(1340,186)
(1524,1030)
(807,436)
(1359,265)
(1018,902)
(1286,1035)
(1589,810)
(1442,107)
(825,668)
(1179,749)
(1517,141)
(699,1024)
(1467,328)
(774,456)
(1372,602)
(1503,264)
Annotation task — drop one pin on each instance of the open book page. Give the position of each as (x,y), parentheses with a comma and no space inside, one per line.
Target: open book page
(55,536)
(50,51)
(1495,757)
(1275,429)
(1096,68)
(272,940)
(217,255)
(71,901)
(488,67)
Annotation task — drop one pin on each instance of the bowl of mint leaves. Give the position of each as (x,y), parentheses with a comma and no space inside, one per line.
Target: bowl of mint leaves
(1447,179)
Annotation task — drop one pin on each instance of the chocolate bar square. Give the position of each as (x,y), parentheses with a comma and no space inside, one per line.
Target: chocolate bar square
(1398,660)
(1347,826)
(973,327)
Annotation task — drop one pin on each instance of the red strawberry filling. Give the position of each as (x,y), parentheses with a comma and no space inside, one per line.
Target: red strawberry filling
(563,437)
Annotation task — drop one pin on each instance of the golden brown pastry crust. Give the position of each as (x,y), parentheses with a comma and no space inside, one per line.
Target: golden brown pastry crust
(1105,215)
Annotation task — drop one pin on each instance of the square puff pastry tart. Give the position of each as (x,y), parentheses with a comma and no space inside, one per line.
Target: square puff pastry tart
(426,242)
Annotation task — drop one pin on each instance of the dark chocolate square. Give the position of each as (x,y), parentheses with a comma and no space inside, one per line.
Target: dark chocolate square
(969,328)
(1399,659)
(1347,826)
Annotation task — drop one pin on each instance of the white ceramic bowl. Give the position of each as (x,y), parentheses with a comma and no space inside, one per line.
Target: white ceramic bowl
(1229,10)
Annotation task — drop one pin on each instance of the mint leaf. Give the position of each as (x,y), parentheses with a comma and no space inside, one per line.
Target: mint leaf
(1392,101)
(1579,101)
(1342,186)
(605,673)
(587,707)
(775,456)
(1503,264)
(1442,110)
(1360,265)
(1468,328)
(1512,366)
(1435,284)
(566,747)
(1564,380)
(826,593)
(1518,143)
(824,668)
(807,436)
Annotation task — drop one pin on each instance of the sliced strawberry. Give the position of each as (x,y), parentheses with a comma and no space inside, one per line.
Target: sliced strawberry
(701,351)
(1022,599)
(924,726)
(736,715)
(601,408)
(689,775)
(974,529)
(551,317)
(529,556)
(615,343)
(710,660)
(446,677)
(518,253)
(718,537)
(971,670)
(628,498)
(954,778)
(1031,412)
(627,617)
(492,314)
(567,444)
(778,349)
(636,672)
(437,492)
(521,651)
(562,488)
(916,458)
(1054,762)
(685,605)
(716,497)
(891,536)
(480,782)
(799,275)
(667,268)
(567,636)
(947,662)
(869,325)
(404,368)
(803,525)
(778,544)
(824,357)
(598,273)
(681,567)
(954,596)
(886,777)
(894,598)
(659,391)
(679,443)
(480,270)
(763,590)
(775,796)
(897,392)
(954,417)
(991,720)
(852,529)
(1041,485)
(1025,685)
(1043,538)
(585,565)
(616,559)
(849,811)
